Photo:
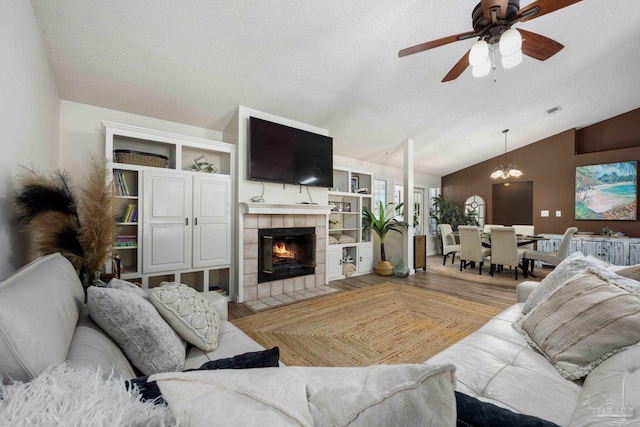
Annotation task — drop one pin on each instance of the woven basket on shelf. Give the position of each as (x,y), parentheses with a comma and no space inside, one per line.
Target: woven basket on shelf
(141,159)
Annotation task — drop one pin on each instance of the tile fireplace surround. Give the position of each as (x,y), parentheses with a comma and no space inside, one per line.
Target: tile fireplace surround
(278,292)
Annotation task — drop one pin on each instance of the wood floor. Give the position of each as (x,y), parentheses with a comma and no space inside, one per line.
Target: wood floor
(497,296)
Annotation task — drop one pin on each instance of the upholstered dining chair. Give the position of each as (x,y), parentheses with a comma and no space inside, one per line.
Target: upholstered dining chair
(471,249)
(526,230)
(504,249)
(487,227)
(553,258)
(449,245)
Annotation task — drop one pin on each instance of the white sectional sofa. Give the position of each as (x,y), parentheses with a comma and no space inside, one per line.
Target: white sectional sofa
(497,365)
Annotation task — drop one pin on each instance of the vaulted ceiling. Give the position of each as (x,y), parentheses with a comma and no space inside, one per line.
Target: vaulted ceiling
(334,64)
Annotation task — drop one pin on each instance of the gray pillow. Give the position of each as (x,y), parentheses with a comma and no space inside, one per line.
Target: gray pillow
(132,322)
(569,267)
(588,319)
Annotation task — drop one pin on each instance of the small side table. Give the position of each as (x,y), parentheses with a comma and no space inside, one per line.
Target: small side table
(420,252)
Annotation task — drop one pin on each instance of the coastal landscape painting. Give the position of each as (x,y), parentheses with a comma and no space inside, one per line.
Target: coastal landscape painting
(607,191)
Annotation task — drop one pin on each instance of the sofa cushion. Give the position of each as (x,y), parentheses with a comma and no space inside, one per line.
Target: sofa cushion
(131,321)
(569,267)
(374,395)
(611,392)
(494,363)
(124,285)
(586,320)
(39,308)
(92,347)
(188,313)
(632,272)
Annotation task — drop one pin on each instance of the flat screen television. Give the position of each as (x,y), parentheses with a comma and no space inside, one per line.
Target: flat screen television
(287,155)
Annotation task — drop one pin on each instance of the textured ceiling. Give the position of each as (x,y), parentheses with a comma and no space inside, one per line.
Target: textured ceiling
(334,64)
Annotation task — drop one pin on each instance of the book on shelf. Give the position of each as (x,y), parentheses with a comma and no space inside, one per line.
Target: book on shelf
(131,213)
(124,241)
(120,183)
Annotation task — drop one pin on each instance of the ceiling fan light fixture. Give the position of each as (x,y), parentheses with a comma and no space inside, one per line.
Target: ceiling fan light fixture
(510,42)
(479,53)
(510,61)
(481,70)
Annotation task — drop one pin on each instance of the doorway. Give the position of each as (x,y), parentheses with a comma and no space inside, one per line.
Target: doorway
(512,203)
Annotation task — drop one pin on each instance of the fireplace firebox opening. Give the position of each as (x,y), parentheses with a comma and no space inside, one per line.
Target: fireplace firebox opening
(286,252)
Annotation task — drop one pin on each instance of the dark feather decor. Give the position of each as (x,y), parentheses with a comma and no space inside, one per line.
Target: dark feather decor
(80,225)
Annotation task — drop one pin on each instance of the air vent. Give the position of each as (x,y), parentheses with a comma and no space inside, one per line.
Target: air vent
(553,110)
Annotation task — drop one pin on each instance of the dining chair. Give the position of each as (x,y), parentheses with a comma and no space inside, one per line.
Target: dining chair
(487,227)
(449,245)
(526,230)
(471,249)
(553,258)
(504,249)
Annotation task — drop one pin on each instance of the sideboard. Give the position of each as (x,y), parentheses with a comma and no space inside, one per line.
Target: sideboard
(614,250)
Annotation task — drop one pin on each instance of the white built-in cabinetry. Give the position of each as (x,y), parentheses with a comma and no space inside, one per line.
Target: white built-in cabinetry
(348,242)
(184,226)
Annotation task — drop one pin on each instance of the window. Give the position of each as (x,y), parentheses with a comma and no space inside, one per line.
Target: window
(379,193)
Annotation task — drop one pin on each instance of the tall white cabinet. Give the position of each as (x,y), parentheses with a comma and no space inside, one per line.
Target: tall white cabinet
(350,249)
(183,227)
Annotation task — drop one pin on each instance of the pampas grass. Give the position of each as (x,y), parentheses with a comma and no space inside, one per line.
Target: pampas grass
(78,224)
(77,396)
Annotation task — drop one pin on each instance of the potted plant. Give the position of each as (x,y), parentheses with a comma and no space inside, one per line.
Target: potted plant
(382,223)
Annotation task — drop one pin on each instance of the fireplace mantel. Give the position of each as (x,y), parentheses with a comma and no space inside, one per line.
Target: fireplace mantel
(284,209)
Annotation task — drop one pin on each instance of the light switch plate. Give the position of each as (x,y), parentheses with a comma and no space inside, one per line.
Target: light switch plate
(558,213)
(544,213)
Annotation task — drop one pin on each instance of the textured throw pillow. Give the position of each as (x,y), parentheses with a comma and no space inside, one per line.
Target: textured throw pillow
(585,321)
(255,359)
(632,272)
(190,314)
(131,321)
(123,285)
(569,267)
(472,412)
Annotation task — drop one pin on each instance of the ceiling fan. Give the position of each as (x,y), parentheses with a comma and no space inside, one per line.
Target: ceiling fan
(491,19)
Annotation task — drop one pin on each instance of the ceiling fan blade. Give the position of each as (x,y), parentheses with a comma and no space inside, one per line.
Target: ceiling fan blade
(537,46)
(458,68)
(487,5)
(435,43)
(543,7)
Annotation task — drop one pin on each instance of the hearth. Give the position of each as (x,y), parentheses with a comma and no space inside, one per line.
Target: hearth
(286,252)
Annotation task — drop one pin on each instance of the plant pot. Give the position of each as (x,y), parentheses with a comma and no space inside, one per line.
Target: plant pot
(384,268)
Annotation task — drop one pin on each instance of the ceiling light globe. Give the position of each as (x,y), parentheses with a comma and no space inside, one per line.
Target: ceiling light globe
(481,70)
(512,60)
(479,53)
(510,42)
(515,172)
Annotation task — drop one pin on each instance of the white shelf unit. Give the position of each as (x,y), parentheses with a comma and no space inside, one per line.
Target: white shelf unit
(345,223)
(208,225)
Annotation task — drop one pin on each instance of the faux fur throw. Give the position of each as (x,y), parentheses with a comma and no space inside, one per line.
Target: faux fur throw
(75,396)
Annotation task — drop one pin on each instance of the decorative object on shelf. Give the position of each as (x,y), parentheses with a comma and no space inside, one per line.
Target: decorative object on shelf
(401,269)
(606,231)
(201,164)
(355,183)
(80,225)
(382,224)
(506,170)
(139,158)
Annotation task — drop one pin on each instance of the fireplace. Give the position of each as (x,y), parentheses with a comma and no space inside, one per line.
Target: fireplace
(286,252)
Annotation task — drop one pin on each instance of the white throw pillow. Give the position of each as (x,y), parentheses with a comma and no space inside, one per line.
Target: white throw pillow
(190,314)
(131,321)
(123,285)
(379,395)
(588,319)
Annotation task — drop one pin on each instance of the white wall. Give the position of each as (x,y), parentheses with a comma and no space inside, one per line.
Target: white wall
(29,104)
(81,132)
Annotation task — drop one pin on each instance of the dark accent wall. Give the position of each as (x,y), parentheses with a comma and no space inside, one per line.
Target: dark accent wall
(550,164)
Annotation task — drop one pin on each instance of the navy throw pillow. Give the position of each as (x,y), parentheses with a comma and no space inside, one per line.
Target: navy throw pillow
(255,359)
(476,413)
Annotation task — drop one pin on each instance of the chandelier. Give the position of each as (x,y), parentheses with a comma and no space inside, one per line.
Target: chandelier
(506,170)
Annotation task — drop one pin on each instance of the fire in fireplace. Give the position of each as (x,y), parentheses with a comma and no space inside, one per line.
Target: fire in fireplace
(286,252)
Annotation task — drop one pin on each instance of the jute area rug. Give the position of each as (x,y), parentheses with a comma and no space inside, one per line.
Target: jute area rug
(504,278)
(380,324)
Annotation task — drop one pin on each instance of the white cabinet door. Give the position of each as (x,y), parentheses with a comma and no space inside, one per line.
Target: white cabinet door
(166,221)
(211,220)
(334,263)
(365,258)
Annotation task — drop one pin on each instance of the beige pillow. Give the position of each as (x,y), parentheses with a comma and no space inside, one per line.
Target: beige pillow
(190,314)
(343,238)
(632,272)
(588,319)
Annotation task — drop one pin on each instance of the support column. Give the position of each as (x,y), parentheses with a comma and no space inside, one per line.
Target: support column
(407,243)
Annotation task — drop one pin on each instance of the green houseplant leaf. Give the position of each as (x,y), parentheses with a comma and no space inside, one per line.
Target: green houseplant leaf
(383,222)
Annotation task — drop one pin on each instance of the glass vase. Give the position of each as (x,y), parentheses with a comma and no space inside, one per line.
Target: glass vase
(401,269)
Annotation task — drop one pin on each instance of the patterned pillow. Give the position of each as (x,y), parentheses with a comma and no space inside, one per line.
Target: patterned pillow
(588,319)
(131,321)
(190,314)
